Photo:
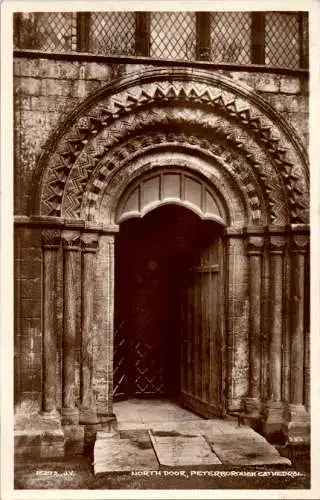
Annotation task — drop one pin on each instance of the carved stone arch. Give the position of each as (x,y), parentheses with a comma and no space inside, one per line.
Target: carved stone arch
(212,149)
(190,95)
(233,205)
(170,186)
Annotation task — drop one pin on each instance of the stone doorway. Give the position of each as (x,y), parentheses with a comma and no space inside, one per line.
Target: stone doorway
(155,315)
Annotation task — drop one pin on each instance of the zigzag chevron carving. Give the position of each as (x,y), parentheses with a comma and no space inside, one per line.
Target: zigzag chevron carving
(189,97)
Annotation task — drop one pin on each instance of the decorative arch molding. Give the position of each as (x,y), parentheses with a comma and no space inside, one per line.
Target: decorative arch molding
(264,193)
(170,186)
(134,103)
(233,208)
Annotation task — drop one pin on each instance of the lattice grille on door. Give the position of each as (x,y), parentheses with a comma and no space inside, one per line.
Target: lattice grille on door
(149,371)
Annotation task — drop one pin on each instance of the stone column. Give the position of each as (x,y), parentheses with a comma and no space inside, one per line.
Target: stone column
(51,239)
(275,406)
(105,325)
(109,317)
(297,428)
(255,251)
(71,245)
(89,245)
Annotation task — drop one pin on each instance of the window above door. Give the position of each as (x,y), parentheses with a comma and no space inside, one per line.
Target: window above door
(275,39)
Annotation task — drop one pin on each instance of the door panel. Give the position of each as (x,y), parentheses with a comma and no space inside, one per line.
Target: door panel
(201,333)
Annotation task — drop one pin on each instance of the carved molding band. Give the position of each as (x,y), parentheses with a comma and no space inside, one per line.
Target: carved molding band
(71,240)
(51,239)
(89,242)
(219,98)
(255,245)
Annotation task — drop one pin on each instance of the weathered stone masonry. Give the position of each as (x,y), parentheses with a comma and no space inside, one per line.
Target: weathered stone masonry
(85,133)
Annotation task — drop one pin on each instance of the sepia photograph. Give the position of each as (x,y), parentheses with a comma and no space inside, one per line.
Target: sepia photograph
(161,255)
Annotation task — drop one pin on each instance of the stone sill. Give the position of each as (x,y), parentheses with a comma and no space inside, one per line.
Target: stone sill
(101,58)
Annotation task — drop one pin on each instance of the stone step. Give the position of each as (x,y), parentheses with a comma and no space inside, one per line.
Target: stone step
(175,446)
(120,455)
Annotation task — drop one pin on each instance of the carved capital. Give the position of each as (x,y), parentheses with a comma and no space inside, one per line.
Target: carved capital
(71,240)
(299,243)
(277,244)
(51,239)
(89,242)
(255,245)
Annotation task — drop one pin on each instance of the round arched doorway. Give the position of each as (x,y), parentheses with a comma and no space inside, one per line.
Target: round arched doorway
(168,309)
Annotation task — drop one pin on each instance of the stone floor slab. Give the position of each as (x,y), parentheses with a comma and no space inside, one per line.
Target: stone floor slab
(245,448)
(117,455)
(183,451)
(194,427)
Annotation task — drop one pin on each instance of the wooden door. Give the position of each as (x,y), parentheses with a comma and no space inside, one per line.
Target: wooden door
(201,332)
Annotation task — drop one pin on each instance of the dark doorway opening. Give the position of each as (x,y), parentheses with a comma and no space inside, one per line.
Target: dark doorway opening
(153,258)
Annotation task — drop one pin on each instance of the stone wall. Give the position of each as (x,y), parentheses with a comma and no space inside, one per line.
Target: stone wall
(46,91)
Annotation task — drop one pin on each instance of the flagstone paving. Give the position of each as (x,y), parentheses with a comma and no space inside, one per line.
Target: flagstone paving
(153,434)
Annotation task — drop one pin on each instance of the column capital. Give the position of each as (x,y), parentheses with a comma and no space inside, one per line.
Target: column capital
(51,238)
(70,239)
(276,244)
(89,242)
(255,245)
(299,243)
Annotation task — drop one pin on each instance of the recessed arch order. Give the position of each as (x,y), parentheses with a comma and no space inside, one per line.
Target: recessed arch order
(197,121)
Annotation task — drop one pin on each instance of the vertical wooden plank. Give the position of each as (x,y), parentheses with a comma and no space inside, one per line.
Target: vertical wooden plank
(214,320)
(197,358)
(188,336)
(184,339)
(190,377)
(258,38)
(206,335)
(205,326)
(201,334)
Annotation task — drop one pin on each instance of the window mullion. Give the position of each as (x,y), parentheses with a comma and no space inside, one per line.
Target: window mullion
(258,38)
(83,30)
(142,33)
(203,35)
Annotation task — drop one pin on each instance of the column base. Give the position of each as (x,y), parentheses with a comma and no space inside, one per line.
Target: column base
(252,413)
(109,427)
(274,420)
(50,415)
(88,415)
(70,416)
(296,428)
(252,407)
(38,436)
(74,439)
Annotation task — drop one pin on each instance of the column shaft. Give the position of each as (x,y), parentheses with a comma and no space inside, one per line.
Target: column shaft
(255,248)
(276,320)
(297,327)
(297,426)
(105,321)
(71,242)
(274,410)
(255,324)
(89,244)
(110,319)
(51,243)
